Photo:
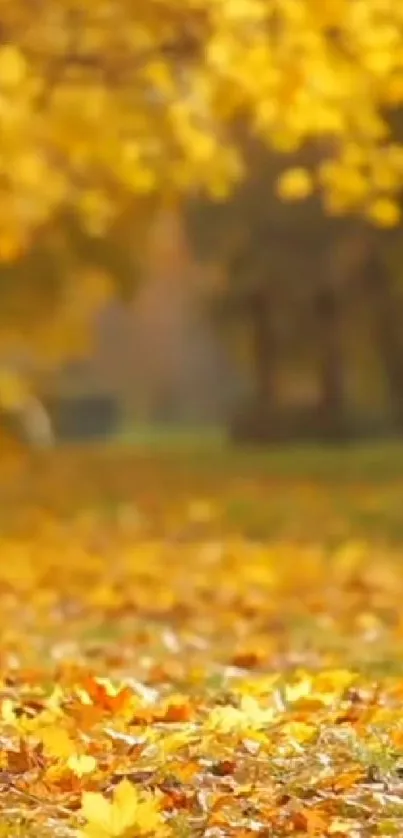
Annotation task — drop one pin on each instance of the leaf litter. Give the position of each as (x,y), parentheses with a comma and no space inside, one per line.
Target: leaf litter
(212,685)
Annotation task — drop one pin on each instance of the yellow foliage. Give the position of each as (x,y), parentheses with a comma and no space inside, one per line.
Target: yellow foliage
(146,100)
(295,185)
(144,106)
(384,212)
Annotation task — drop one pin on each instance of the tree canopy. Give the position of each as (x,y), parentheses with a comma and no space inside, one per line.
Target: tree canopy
(103,100)
(108,108)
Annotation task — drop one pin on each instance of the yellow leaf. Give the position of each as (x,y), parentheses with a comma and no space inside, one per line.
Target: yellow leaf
(301,689)
(129,814)
(57,742)
(8,714)
(299,731)
(294,185)
(334,681)
(96,810)
(248,716)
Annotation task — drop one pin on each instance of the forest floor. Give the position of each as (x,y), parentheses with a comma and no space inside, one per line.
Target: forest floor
(201,642)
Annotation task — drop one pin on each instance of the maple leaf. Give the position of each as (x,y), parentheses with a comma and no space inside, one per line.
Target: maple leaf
(102,692)
(128,815)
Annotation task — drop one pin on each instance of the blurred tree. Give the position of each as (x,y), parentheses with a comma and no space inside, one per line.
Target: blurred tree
(293,274)
(50,295)
(106,104)
(381,283)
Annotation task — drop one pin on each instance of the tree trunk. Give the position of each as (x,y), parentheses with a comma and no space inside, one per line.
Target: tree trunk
(264,352)
(332,400)
(387,318)
(257,423)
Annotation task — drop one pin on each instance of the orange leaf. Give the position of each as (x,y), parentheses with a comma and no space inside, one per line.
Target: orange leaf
(103,694)
(178,709)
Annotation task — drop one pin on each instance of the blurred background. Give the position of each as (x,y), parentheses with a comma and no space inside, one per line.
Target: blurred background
(257,320)
(201,232)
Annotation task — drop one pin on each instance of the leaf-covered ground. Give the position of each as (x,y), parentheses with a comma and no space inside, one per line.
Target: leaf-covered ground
(201,648)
